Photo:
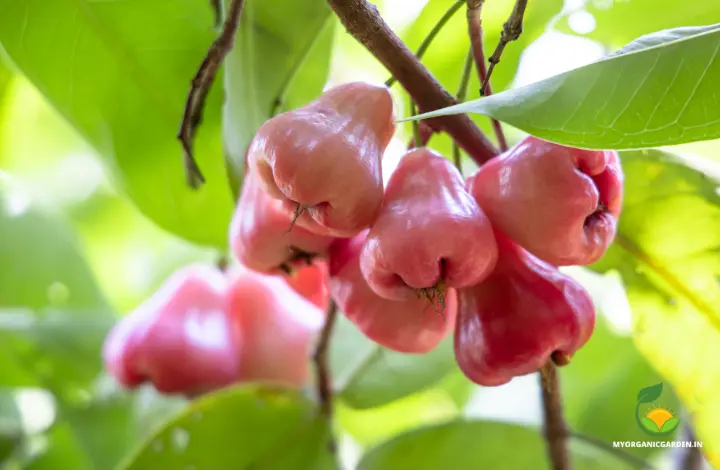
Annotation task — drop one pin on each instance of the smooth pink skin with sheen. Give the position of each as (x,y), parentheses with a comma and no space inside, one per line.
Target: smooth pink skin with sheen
(408,326)
(549,199)
(278,325)
(312,283)
(513,322)
(327,156)
(429,229)
(182,339)
(259,236)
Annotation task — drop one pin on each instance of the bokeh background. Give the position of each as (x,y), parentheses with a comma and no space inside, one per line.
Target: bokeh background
(91,224)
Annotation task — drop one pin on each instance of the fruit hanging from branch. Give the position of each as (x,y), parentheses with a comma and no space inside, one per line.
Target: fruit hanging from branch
(259,235)
(525,314)
(560,203)
(430,234)
(324,160)
(182,339)
(410,326)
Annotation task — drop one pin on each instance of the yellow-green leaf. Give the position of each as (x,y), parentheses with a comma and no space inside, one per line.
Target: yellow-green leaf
(668,253)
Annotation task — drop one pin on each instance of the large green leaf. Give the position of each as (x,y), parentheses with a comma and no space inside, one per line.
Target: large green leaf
(267,70)
(52,316)
(668,253)
(616,22)
(367,375)
(658,90)
(120,72)
(250,426)
(476,444)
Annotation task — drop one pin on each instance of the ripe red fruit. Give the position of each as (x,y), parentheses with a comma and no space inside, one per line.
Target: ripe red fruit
(312,283)
(410,326)
(524,314)
(429,233)
(278,328)
(259,235)
(559,203)
(326,157)
(181,339)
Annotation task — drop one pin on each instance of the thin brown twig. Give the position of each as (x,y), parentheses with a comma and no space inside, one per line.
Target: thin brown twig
(554,423)
(460,97)
(217,9)
(474,18)
(201,83)
(425,131)
(320,358)
(365,24)
(512,29)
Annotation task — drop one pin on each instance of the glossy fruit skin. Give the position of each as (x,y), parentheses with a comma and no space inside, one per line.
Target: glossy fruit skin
(182,339)
(562,204)
(409,326)
(259,232)
(278,325)
(311,282)
(327,156)
(429,230)
(522,315)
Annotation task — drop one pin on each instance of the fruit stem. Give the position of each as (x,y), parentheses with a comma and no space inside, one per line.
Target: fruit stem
(365,24)
(474,19)
(432,34)
(320,358)
(554,424)
(460,97)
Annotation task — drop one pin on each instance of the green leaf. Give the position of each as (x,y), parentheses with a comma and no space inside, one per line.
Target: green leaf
(659,90)
(281,56)
(372,425)
(601,385)
(250,426)
(650,394)
(119,72)
(475,444)
(53,318)
(617,22)
(667,253)
(367,375)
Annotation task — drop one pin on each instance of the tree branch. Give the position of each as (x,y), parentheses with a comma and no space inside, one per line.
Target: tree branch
(554,423)
(201,83)
(363,22)
(512,29)
(474,11)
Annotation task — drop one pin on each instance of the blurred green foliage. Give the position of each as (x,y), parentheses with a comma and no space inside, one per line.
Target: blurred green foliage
(107,81)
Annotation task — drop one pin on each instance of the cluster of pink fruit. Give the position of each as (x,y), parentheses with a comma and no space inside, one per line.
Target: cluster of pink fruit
(407,263)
